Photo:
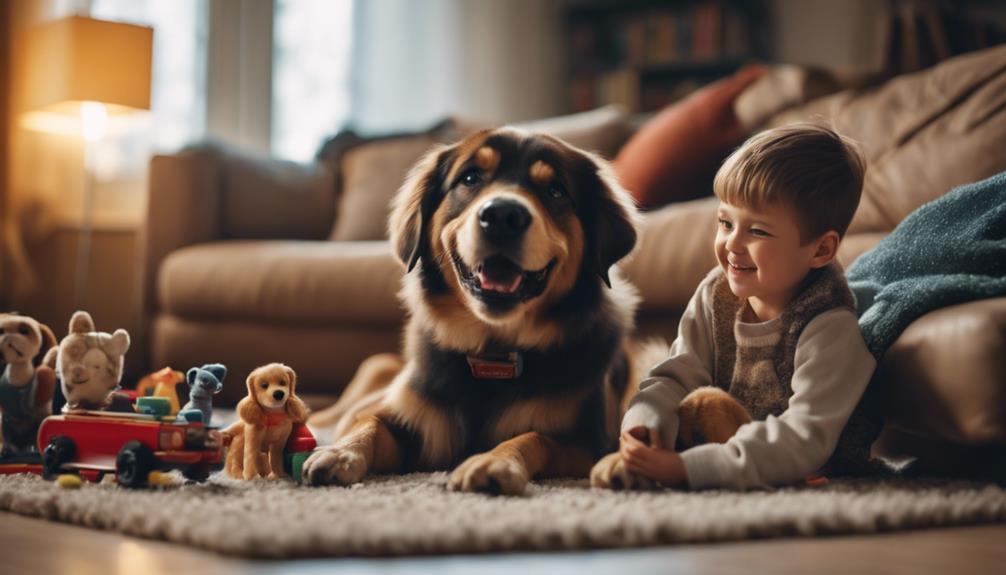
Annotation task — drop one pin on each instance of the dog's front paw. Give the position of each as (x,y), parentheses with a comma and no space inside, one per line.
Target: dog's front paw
(610,473)
(488,473)
(334,466)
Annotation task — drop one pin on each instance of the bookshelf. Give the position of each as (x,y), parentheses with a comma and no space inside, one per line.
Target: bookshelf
(646,54)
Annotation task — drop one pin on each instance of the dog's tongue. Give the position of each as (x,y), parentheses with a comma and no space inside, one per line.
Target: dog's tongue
(500,275)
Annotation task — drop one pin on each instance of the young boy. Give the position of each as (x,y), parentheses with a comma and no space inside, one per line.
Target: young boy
(773,325)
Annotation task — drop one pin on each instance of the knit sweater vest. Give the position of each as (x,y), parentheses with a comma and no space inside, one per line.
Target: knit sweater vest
(757,371)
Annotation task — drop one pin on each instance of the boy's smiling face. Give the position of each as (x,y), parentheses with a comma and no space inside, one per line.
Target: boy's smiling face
(761,253)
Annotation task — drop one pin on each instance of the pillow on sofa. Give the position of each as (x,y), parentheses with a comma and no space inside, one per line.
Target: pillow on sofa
(601,130)
(675,155)
(372,170)
(923,134)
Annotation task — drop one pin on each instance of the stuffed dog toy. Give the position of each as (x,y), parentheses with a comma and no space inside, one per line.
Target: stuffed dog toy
(267,416)
(88,363)
(26,388)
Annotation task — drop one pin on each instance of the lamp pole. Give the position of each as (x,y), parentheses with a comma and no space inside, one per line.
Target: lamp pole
(94,121)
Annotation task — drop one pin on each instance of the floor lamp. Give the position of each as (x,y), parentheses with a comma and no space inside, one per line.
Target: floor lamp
(80,71)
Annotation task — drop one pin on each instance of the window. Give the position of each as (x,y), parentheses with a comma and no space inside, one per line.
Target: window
(310,82)
(178,90)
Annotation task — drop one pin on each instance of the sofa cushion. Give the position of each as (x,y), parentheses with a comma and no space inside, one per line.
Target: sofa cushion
(945,376)
(324,356)
(675,155)
(263,198)
(923,134)
(371,169)
(674,252)
(602,130)
(310,283)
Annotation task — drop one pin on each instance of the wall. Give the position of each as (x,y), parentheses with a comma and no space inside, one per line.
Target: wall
(480,59)
(5,114)
(846,34)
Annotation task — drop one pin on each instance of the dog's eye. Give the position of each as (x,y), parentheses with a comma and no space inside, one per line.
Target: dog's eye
(281,383)
(556,191)
(471,178)
(23,329)
(264,385)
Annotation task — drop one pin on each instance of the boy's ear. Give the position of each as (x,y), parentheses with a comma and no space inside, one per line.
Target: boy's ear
(827,249)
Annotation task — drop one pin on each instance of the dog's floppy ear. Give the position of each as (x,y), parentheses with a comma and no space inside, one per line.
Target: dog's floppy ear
(49,341)
(292,376)
(415,203)
(615,219)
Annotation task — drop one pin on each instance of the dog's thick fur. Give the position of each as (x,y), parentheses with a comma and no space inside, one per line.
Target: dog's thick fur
(267,417)
(428,410)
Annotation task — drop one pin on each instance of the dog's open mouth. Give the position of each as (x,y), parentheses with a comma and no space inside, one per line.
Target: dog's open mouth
(498,280)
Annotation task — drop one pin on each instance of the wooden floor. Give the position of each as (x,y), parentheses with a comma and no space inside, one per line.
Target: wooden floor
(37,546)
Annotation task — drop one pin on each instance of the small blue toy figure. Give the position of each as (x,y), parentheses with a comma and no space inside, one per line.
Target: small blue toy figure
(204,382)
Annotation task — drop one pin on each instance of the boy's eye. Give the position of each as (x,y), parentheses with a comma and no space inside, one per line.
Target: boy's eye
(725,224)
(760,233)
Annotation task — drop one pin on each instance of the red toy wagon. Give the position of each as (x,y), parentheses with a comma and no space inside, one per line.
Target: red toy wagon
(131,445)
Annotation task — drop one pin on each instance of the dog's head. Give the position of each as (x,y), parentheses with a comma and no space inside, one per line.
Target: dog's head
(271,386)
(509,220)
(24,340)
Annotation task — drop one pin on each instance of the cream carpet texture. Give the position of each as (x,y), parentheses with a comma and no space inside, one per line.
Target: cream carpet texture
(415,514)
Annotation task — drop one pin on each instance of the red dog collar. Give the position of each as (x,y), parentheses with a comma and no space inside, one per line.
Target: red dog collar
(274,419)
(506,365)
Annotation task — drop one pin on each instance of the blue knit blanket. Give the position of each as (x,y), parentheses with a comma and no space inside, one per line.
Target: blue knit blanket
(949,251)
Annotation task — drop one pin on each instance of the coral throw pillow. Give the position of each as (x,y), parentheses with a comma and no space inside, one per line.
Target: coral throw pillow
(675,155)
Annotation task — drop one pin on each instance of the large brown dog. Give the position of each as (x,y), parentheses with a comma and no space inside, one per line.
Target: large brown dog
(515,362)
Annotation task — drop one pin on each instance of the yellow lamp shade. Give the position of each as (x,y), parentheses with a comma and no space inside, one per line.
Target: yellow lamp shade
(78,59)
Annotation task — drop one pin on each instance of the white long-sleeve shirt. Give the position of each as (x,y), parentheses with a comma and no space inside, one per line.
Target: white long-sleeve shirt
(832,367)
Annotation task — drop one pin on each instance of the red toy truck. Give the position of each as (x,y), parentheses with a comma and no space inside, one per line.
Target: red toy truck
(129,444)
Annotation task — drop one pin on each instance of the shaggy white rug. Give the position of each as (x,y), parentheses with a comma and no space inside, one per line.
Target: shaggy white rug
(415,514)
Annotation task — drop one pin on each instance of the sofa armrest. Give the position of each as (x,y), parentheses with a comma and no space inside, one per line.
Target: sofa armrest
(211,192)
(183,206)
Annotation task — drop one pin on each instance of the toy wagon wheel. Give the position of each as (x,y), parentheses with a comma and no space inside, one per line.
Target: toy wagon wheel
(133,463)
(197,471)
(59,451)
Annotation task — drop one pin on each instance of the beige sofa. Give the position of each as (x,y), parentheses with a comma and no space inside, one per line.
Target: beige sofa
(239,266)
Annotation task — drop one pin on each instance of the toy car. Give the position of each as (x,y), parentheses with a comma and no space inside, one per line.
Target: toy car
(299,447)
(129,444)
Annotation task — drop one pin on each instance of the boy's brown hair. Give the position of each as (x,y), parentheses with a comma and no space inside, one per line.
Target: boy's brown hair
(812,168)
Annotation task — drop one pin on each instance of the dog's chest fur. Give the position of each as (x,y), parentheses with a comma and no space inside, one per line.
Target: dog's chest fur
(560,392)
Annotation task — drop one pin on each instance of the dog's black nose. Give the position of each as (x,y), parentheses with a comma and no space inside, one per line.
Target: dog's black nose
(278,394)
(503,220)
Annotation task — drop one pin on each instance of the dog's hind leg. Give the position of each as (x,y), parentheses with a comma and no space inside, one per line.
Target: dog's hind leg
(234,465)
(364,390)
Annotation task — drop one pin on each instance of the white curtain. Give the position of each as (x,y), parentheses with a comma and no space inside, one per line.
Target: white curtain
(416,62)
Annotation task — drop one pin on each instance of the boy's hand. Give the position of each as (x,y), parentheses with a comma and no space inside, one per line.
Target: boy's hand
(643,454)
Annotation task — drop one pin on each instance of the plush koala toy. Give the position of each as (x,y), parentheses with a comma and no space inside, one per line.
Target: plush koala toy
(88,363)
(26,388)
(204,382)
